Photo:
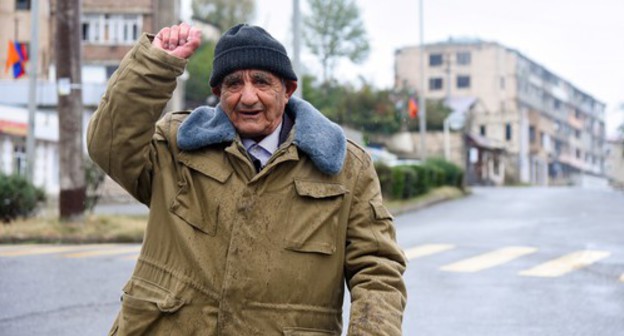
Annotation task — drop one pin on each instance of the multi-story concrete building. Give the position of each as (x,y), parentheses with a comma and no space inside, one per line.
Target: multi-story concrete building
(15,25)
(550,129)
(109,28)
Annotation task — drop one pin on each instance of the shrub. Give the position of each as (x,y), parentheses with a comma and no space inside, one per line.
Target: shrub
(423,181)
(403,182)
(18,197)
(398,182)
(453,174)
(385,178)
(410,188)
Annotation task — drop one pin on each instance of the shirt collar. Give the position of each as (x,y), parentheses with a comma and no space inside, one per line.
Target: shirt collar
(269,143)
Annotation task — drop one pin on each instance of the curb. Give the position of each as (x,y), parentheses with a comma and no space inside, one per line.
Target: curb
(428,201)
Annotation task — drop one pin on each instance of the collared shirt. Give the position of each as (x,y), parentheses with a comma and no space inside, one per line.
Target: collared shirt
(264,149)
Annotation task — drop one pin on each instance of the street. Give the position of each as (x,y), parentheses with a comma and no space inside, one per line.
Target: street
(504,261)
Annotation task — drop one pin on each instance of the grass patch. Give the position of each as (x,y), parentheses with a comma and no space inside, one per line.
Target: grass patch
(94,229)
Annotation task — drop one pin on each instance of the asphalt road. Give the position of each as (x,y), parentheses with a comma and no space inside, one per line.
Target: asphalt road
(508,261)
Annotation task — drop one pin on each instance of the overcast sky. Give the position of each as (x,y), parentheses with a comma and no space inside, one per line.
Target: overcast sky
(579,40)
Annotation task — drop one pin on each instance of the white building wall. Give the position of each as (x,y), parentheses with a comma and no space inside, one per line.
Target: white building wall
(46,170)
(6,155)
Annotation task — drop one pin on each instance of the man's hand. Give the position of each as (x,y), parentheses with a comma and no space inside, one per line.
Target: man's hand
(179,40)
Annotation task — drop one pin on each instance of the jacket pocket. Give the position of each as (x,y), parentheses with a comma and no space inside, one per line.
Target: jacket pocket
(313,217)
(143,306)
(308,332)
(192,207)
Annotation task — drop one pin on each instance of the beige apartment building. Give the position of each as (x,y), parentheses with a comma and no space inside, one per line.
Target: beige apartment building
(550,129)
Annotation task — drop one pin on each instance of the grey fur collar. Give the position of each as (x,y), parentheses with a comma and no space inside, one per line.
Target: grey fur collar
(322,140)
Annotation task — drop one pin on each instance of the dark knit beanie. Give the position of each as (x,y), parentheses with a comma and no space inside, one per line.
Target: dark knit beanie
(249,47)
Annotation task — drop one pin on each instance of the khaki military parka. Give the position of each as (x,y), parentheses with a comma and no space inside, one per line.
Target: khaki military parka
(228,251)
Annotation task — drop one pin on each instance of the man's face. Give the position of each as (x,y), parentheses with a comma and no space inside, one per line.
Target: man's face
(254,100)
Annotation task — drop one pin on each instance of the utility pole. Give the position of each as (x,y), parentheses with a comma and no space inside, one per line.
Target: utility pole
(32,89)
(296,22)
(422,104)
(68,79)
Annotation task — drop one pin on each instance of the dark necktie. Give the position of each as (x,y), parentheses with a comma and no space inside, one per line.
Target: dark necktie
(257,164)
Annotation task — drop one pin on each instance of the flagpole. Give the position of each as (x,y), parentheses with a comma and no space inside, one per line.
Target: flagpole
(33,59)
(422,108)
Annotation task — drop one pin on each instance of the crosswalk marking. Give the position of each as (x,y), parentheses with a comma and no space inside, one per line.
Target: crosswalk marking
(425,250)
(566,264)
(553,268)
(98,253)
(489,260)
(46,249)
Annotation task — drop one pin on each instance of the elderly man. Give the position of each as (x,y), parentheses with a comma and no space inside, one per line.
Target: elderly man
(260,209)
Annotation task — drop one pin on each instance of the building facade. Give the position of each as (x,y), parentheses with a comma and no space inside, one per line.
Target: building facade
(15,25)
(109,28)
(550,129)
(614,167)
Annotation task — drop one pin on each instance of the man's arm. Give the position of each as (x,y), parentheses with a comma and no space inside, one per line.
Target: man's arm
(121,129)
(374,263)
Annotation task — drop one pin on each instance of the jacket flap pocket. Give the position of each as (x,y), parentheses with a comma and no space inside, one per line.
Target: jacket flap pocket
(144,295)
(380,211)
(319,189)
(312,247)
(308,332)
(206,163)
(194,210)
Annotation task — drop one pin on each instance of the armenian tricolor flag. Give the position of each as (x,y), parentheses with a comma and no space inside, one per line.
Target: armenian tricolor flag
(412,107)
(16,59)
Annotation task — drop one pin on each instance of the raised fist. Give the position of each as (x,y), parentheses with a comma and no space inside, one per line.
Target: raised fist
(180,40)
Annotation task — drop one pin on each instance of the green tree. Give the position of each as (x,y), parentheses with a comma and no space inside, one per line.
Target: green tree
(436,113)
(199,68)
(334,30)
(224,14)
(365,108)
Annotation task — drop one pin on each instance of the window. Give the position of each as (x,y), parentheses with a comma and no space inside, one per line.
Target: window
(482,130)
(578,153)
(19,157)
(545,141)
(463,82)
(577,134)
(508,132)
(557,104)
(435,59)
(435,84)
(22,4)
(111,29)
(463,58)
(110,70)
(532,134)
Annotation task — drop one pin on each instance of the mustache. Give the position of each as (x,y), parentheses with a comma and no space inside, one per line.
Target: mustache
(246,107)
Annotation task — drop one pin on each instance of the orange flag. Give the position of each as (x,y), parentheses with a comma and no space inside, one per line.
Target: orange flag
(412,106)
(15,59)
